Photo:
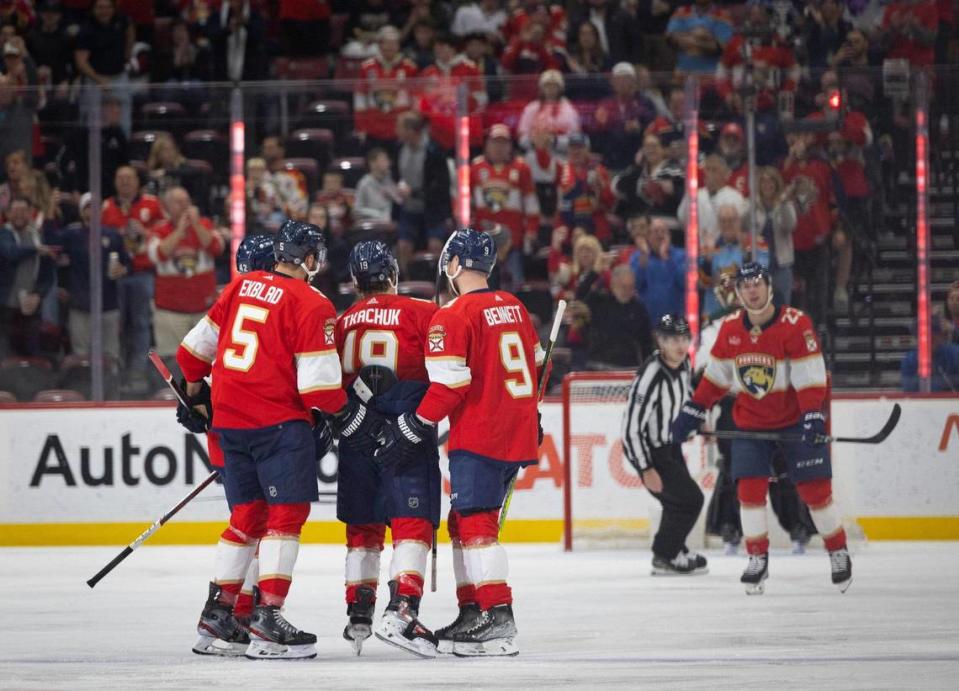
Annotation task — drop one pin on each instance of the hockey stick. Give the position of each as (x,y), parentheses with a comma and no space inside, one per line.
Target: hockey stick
(145,535)
(877,438)
(553,335)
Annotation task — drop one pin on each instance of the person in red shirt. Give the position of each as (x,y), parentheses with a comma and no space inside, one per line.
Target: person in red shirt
(504,198)
(184,249)
(306,26)
(527,54)
(769,356)
(552,17)
(732,147)
(133,213)
(383,330)
(811,182)
(482,357)
(382,94)
(269,344)
(908,31)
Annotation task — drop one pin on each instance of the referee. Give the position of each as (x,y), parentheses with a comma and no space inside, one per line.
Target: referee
(655,398)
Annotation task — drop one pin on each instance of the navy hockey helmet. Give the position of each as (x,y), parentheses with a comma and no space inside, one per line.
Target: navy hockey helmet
(476,251)
(673,325)
(373,265)
(296,240)
(750,271)
(255,253)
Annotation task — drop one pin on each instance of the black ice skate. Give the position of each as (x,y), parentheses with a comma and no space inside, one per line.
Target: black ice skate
(684,564)
(493,635)
(468,617)
(272,637)
(220,632)
(756,573)
(360,612)
(400,627)
(841,568)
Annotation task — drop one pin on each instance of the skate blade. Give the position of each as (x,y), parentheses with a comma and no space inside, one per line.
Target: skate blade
(497,647)
(267,650)
(418,646)
(208,645)
(669,572)
(444,647)
(756,588)
(357,636)
(844,585)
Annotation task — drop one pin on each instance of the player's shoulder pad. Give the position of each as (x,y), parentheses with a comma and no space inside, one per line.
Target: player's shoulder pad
(448,304)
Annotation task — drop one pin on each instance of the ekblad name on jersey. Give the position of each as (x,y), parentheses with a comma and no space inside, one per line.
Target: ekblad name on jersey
(777,372)
(270,342)
(387,330)
(482,355)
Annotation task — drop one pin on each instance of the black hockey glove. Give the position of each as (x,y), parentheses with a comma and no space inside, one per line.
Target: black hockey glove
(402,439)
(322,435)
(539,428)
(813,427)
(360,426)
(690,417)
(196,421)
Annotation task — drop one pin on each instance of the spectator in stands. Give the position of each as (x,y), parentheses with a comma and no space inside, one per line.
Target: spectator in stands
(115,264)
(49,45)
(336,270)
(814,199)
(859,73)
(699,32)
(167,167)
(17,168)
(424,214)
(908,31)
(637,228)
(732,148)
(619,121)
(660,271)
(264,207)
(187,63)
(367,18)
(731,252)
(27,273)
(420,48)
(504,202)
(619,335)
(552,17)
(653,17)
(103,47)
(652,185)
(306,26)
(483,17)
(18,99)
(586,57)
(132,213)
(18,14)
(714,193)
(586,272)
(420,15)
(290,184)
(376,192)
(73,158)
(617,28)
(236,33)
(183,248)
(337,200)
(945,363)
(950,316)
(826,32)
(776,220)
(551,112)
(381,94)
(527,54)
(477,48)
(671,127)
(585,190)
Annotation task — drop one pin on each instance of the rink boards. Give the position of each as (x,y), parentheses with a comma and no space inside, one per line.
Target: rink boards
(89,475)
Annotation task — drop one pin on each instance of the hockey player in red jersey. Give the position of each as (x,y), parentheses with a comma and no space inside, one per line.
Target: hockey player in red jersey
(482,356)
(381,340)
(269,344)
(770,357)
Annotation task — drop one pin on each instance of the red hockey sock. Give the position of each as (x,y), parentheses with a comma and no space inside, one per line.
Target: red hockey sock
(817,495)
(485,559)
(244,605)
(412,538)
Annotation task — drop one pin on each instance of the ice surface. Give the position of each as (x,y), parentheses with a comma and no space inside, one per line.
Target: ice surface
(590,619)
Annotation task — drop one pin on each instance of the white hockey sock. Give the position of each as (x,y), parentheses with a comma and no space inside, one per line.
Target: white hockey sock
(753,519)
(409,563)
(362,565)
(252,573)
(459,565)
(231,562)
(827,519)
(277,558)
(486,564)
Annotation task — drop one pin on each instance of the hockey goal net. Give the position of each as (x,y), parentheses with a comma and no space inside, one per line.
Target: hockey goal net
(604,502)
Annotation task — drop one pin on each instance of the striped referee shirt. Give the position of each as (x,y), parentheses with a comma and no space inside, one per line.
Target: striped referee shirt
(655,398)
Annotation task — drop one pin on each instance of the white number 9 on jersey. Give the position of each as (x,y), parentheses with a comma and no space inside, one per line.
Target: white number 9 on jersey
(513,358)
(375,348)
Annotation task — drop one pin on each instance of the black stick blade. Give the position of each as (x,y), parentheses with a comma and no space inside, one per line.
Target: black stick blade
(882,434)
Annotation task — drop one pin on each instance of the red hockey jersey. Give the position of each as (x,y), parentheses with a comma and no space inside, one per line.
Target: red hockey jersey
(270,343)
(387,330)
(382,95)
(439,84)
(146,210)
(504,194)
(482,355)
(776,371)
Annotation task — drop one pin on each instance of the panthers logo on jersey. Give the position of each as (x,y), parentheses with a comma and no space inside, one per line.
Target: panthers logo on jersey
(756,373)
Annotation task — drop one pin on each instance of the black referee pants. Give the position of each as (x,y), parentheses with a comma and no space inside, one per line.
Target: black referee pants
(681,498)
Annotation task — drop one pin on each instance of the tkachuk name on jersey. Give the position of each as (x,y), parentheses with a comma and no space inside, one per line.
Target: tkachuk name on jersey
(507,314)
(261,291)
(756,373)
(377,317)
